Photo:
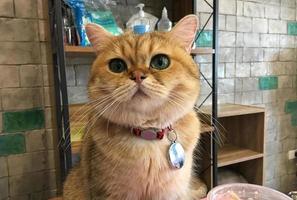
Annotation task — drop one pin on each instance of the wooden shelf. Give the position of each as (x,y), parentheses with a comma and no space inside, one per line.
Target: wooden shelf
(79,49)
(227,110)
(230,154)
(90,50)
(200,51)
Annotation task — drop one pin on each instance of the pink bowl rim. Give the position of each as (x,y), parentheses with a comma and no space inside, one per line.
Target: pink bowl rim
(252,186)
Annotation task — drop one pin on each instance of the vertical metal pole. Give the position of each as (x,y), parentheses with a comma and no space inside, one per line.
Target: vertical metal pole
(62,113)
(215,62)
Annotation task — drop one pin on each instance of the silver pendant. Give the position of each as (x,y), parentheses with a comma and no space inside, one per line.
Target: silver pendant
(176,152)
(176,155)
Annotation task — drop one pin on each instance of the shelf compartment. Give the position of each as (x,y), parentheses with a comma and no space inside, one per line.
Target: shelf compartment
(230,154)
(90,50)
(227,110)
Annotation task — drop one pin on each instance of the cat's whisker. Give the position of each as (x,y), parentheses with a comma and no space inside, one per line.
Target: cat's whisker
(87,114)
(219,128)
(220,136)
(116,99)
(90,106)
(101,100)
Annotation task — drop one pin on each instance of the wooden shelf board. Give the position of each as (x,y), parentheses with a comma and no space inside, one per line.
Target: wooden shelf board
(88,50)
(78,49)
(227,110)
(199,51)
(229,154)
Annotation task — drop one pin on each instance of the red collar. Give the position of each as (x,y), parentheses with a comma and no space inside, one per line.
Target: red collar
(150,133)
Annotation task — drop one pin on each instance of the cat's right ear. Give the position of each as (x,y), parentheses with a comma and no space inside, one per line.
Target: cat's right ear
(185,31)
(97,36)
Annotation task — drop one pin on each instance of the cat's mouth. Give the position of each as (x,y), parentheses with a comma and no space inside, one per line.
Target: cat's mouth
(139,93)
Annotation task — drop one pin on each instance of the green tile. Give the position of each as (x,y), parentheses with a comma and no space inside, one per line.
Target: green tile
(12,144)
(205,39)
(23,120)
(268,82)
(291,106)
(294,119)
(292,28)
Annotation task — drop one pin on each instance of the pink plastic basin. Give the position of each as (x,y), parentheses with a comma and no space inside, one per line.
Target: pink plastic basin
(239,191)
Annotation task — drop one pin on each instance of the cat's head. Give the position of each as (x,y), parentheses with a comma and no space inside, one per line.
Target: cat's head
(147,80)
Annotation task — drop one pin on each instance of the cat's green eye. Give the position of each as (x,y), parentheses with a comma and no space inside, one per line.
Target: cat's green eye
(117,65)
(160,61)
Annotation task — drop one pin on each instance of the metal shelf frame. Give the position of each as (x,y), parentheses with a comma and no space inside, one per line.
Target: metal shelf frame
(62,112)
(214,86)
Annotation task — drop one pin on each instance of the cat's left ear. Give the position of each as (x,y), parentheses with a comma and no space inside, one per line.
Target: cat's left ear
(97,36)
(185,31)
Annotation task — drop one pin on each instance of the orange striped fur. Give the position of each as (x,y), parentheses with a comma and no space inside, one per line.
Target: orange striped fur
(116,165)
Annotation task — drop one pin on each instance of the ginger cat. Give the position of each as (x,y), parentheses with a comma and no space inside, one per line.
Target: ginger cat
(139,82)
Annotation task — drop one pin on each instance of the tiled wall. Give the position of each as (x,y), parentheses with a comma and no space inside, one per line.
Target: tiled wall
(27,167)
(258,67)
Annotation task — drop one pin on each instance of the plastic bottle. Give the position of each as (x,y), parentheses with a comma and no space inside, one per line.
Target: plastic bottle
(141,24)
(164,24)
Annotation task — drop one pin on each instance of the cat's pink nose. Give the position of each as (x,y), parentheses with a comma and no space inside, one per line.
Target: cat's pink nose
(137,76)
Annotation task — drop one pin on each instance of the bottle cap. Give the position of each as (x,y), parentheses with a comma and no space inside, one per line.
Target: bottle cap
(141,12)
(164,13)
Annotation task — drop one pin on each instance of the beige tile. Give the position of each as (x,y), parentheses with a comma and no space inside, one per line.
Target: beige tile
(49,94)
(49,118)
(46,53)
(48,79)
(19,52)
(9,76)
(28,162)
(35,140)
(1,122)
(4,188)
(42,9)
(6,8)
(20,197)
(25,8)
(18,29)
(51,136)
(3,167)
(47,194)
(51,160)
(31,75)
(44,32)
(28,183)
(21,98)
(1,108)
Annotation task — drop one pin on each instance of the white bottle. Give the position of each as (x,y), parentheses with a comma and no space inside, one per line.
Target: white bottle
(142,24)
(164,24)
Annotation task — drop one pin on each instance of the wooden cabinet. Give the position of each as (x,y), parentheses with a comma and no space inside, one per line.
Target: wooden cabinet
(241,142)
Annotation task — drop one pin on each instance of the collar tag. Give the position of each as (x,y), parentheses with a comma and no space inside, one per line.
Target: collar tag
(150,133)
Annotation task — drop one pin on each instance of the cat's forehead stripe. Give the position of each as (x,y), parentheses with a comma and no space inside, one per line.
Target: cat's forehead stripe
(135,49)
